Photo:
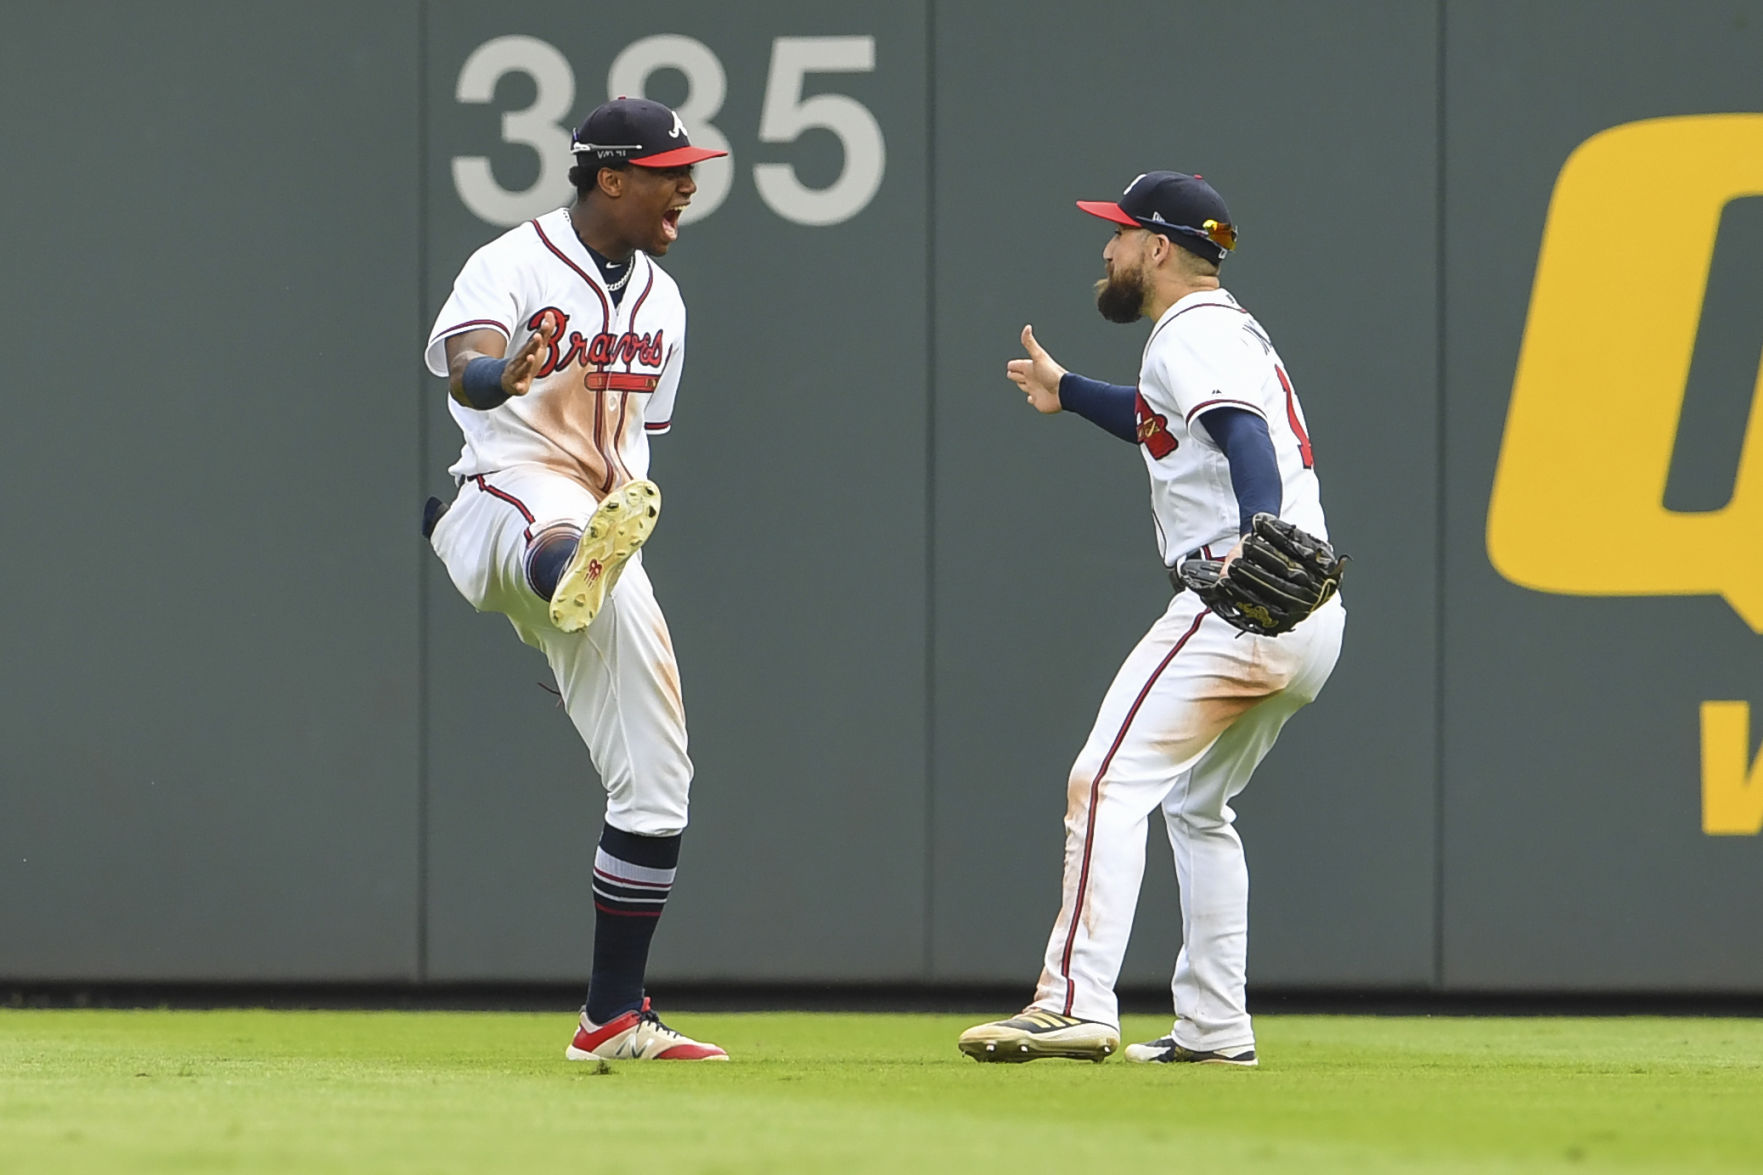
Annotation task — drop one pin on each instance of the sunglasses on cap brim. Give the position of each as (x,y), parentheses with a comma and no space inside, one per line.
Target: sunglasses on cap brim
(1219,233)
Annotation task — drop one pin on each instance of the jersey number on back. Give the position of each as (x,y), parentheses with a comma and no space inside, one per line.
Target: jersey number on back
(1292,418)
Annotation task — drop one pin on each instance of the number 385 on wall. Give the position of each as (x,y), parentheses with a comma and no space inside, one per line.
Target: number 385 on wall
(784,116)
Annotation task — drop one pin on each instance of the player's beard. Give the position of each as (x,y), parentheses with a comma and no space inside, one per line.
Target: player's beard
(1121,295)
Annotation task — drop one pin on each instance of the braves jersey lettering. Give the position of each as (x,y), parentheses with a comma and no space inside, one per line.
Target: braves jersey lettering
(559,322)
(625,348)
(570,347)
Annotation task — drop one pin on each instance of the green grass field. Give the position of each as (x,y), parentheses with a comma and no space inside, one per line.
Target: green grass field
(165,1091)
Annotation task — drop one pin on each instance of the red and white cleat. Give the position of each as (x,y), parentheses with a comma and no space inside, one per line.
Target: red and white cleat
(637,1036)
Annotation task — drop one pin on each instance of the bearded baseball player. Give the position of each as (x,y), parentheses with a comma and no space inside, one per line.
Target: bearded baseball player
(1250,636)
(562,345)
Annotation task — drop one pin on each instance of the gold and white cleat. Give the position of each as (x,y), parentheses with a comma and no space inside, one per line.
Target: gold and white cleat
(621,525)
(1034,1033)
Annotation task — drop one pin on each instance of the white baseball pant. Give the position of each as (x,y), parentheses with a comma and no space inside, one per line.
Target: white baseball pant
(1191,713)
(618,677)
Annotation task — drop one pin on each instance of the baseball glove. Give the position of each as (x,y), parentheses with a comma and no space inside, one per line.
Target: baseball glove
(1282,575)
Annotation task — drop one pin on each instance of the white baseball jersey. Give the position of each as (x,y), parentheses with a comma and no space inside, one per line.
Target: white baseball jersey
(1207,352)
(610,376)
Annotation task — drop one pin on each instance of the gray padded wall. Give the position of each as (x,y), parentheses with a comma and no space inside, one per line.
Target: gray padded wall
(252,733)
(208,749)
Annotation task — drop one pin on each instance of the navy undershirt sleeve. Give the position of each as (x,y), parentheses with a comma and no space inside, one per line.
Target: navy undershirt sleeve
(1109,406)
(1254,467)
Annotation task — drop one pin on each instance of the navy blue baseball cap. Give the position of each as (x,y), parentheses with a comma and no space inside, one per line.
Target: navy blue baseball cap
(1184,208)
(636,130)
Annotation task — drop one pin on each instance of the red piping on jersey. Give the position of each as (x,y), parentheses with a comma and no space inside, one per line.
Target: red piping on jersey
(644,383)
(453,330)
(1189,418)
(661,427)
(1185,309)
(608,459)
(1083,875)
(632,324)
(629,382)
(605,307)
(624,403)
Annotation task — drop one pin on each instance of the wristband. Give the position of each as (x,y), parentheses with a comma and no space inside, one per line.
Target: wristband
(481,382)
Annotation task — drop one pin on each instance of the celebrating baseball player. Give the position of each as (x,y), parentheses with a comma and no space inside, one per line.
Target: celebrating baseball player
(1250,636)
(562,345)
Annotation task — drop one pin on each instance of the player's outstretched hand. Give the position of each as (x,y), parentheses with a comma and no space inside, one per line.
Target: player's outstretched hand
(1038,376)
(517,376)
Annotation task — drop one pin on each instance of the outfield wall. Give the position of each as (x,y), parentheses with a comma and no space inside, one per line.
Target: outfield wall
(1509,251)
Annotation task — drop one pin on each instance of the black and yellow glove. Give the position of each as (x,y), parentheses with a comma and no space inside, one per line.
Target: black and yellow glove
(1281,576)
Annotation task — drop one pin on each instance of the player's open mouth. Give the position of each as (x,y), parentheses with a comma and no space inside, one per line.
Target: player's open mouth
(670,222)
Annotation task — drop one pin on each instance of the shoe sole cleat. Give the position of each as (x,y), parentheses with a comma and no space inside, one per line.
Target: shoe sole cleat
(615,532)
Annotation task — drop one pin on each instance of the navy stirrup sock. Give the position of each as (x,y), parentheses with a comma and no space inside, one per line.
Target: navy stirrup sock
(547,558)
(632,877)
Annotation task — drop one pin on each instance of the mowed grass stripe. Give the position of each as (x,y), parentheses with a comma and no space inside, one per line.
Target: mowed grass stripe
(431,1091)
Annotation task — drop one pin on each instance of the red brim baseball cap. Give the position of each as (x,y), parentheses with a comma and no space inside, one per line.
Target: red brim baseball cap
(678,157)
(639,131)
(1107,210)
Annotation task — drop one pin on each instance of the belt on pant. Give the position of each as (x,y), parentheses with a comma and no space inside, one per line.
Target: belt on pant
(1174,573)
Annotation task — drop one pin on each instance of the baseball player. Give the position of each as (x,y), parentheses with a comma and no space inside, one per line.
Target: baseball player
(1198,702)
(562,345)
